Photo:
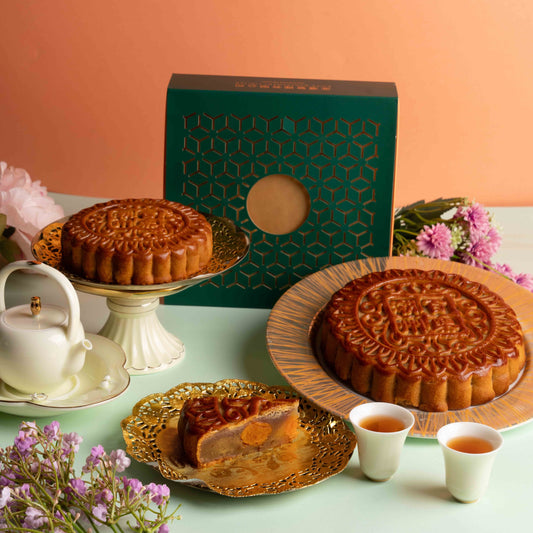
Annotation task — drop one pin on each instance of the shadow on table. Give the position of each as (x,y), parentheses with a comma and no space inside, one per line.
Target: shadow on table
(256,359)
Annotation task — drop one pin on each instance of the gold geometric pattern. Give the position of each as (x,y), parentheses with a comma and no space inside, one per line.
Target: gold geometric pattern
(336,160)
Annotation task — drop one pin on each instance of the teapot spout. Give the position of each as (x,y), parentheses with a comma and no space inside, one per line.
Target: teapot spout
(77,356)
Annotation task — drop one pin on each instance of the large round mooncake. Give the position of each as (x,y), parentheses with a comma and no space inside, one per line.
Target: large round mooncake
(136,242)
(425,339)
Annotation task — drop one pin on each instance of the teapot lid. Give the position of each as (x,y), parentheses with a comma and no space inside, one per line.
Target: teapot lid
(34,316)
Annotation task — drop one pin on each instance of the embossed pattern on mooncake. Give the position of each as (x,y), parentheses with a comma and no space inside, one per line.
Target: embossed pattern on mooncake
(205,414)
(426,339)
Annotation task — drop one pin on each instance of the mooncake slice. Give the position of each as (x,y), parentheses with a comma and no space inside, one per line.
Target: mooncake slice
(213,428)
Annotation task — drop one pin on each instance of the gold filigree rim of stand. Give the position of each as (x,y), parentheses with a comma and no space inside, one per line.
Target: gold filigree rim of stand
(132,320)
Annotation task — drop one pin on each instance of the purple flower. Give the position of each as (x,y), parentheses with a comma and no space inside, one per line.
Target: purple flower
(163,529)
(133,488)
(119,460)
(435,241)
(23,491)
(34,518)
(94,458)
(48,464)
(24,442)
(52,430)
(29,427)
(477,217)
(158,493)
(100,512)
(6,482)
(104,496)
(77,486)
(134,484)
(97,451)
(71,442)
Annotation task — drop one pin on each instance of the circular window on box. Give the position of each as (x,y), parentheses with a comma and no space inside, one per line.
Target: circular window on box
(278,204)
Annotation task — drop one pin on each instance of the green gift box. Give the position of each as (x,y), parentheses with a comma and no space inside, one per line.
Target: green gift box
(305,167)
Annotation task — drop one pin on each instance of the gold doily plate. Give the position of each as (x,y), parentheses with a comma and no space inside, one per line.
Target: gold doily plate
(290,344)
(230,246)
(322,448)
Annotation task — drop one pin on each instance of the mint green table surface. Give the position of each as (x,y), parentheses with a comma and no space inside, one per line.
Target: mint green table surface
(230,343)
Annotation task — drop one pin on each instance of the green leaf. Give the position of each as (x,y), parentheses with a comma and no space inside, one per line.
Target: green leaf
(433,209)
(9,250)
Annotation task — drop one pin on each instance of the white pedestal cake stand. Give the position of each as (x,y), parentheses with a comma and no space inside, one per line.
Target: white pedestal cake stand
(133,322)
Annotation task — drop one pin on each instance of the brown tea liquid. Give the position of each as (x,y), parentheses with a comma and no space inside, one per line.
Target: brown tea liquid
(467,444)
(382,423)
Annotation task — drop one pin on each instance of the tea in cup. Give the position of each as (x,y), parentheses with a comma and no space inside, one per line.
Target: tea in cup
(469,450)
(381,429)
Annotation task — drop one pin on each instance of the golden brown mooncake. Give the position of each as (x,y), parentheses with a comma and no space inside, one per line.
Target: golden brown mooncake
(213,428)
(425,339)
(136,242)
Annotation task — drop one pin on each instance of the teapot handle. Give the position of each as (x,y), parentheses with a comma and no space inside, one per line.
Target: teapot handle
(68,289)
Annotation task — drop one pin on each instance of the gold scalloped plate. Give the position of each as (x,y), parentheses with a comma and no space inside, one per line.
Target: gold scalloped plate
(290,344)
(322,448)
(230,247)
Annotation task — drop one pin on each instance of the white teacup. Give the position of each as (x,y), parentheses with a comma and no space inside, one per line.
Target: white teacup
(469,450)
(381,430)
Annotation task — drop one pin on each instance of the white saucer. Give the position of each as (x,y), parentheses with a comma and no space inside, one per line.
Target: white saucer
(102,379)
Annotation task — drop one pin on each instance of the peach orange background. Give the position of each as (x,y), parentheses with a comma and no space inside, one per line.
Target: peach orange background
(82,90)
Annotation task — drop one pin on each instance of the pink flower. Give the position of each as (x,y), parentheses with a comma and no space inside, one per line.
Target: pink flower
(26,205)
(435,241)
(119,460)
(525,280)
(71,442)
(52,430)
(158,493)
(504,269)
(481,248)
(477,217)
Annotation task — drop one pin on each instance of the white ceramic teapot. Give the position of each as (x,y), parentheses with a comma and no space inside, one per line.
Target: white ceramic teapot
(40,346)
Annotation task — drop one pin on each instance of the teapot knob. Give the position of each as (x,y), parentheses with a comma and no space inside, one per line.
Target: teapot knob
(68,291)
(35,305)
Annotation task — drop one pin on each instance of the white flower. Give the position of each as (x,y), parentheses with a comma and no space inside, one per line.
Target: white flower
(5,497)
(26,204)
